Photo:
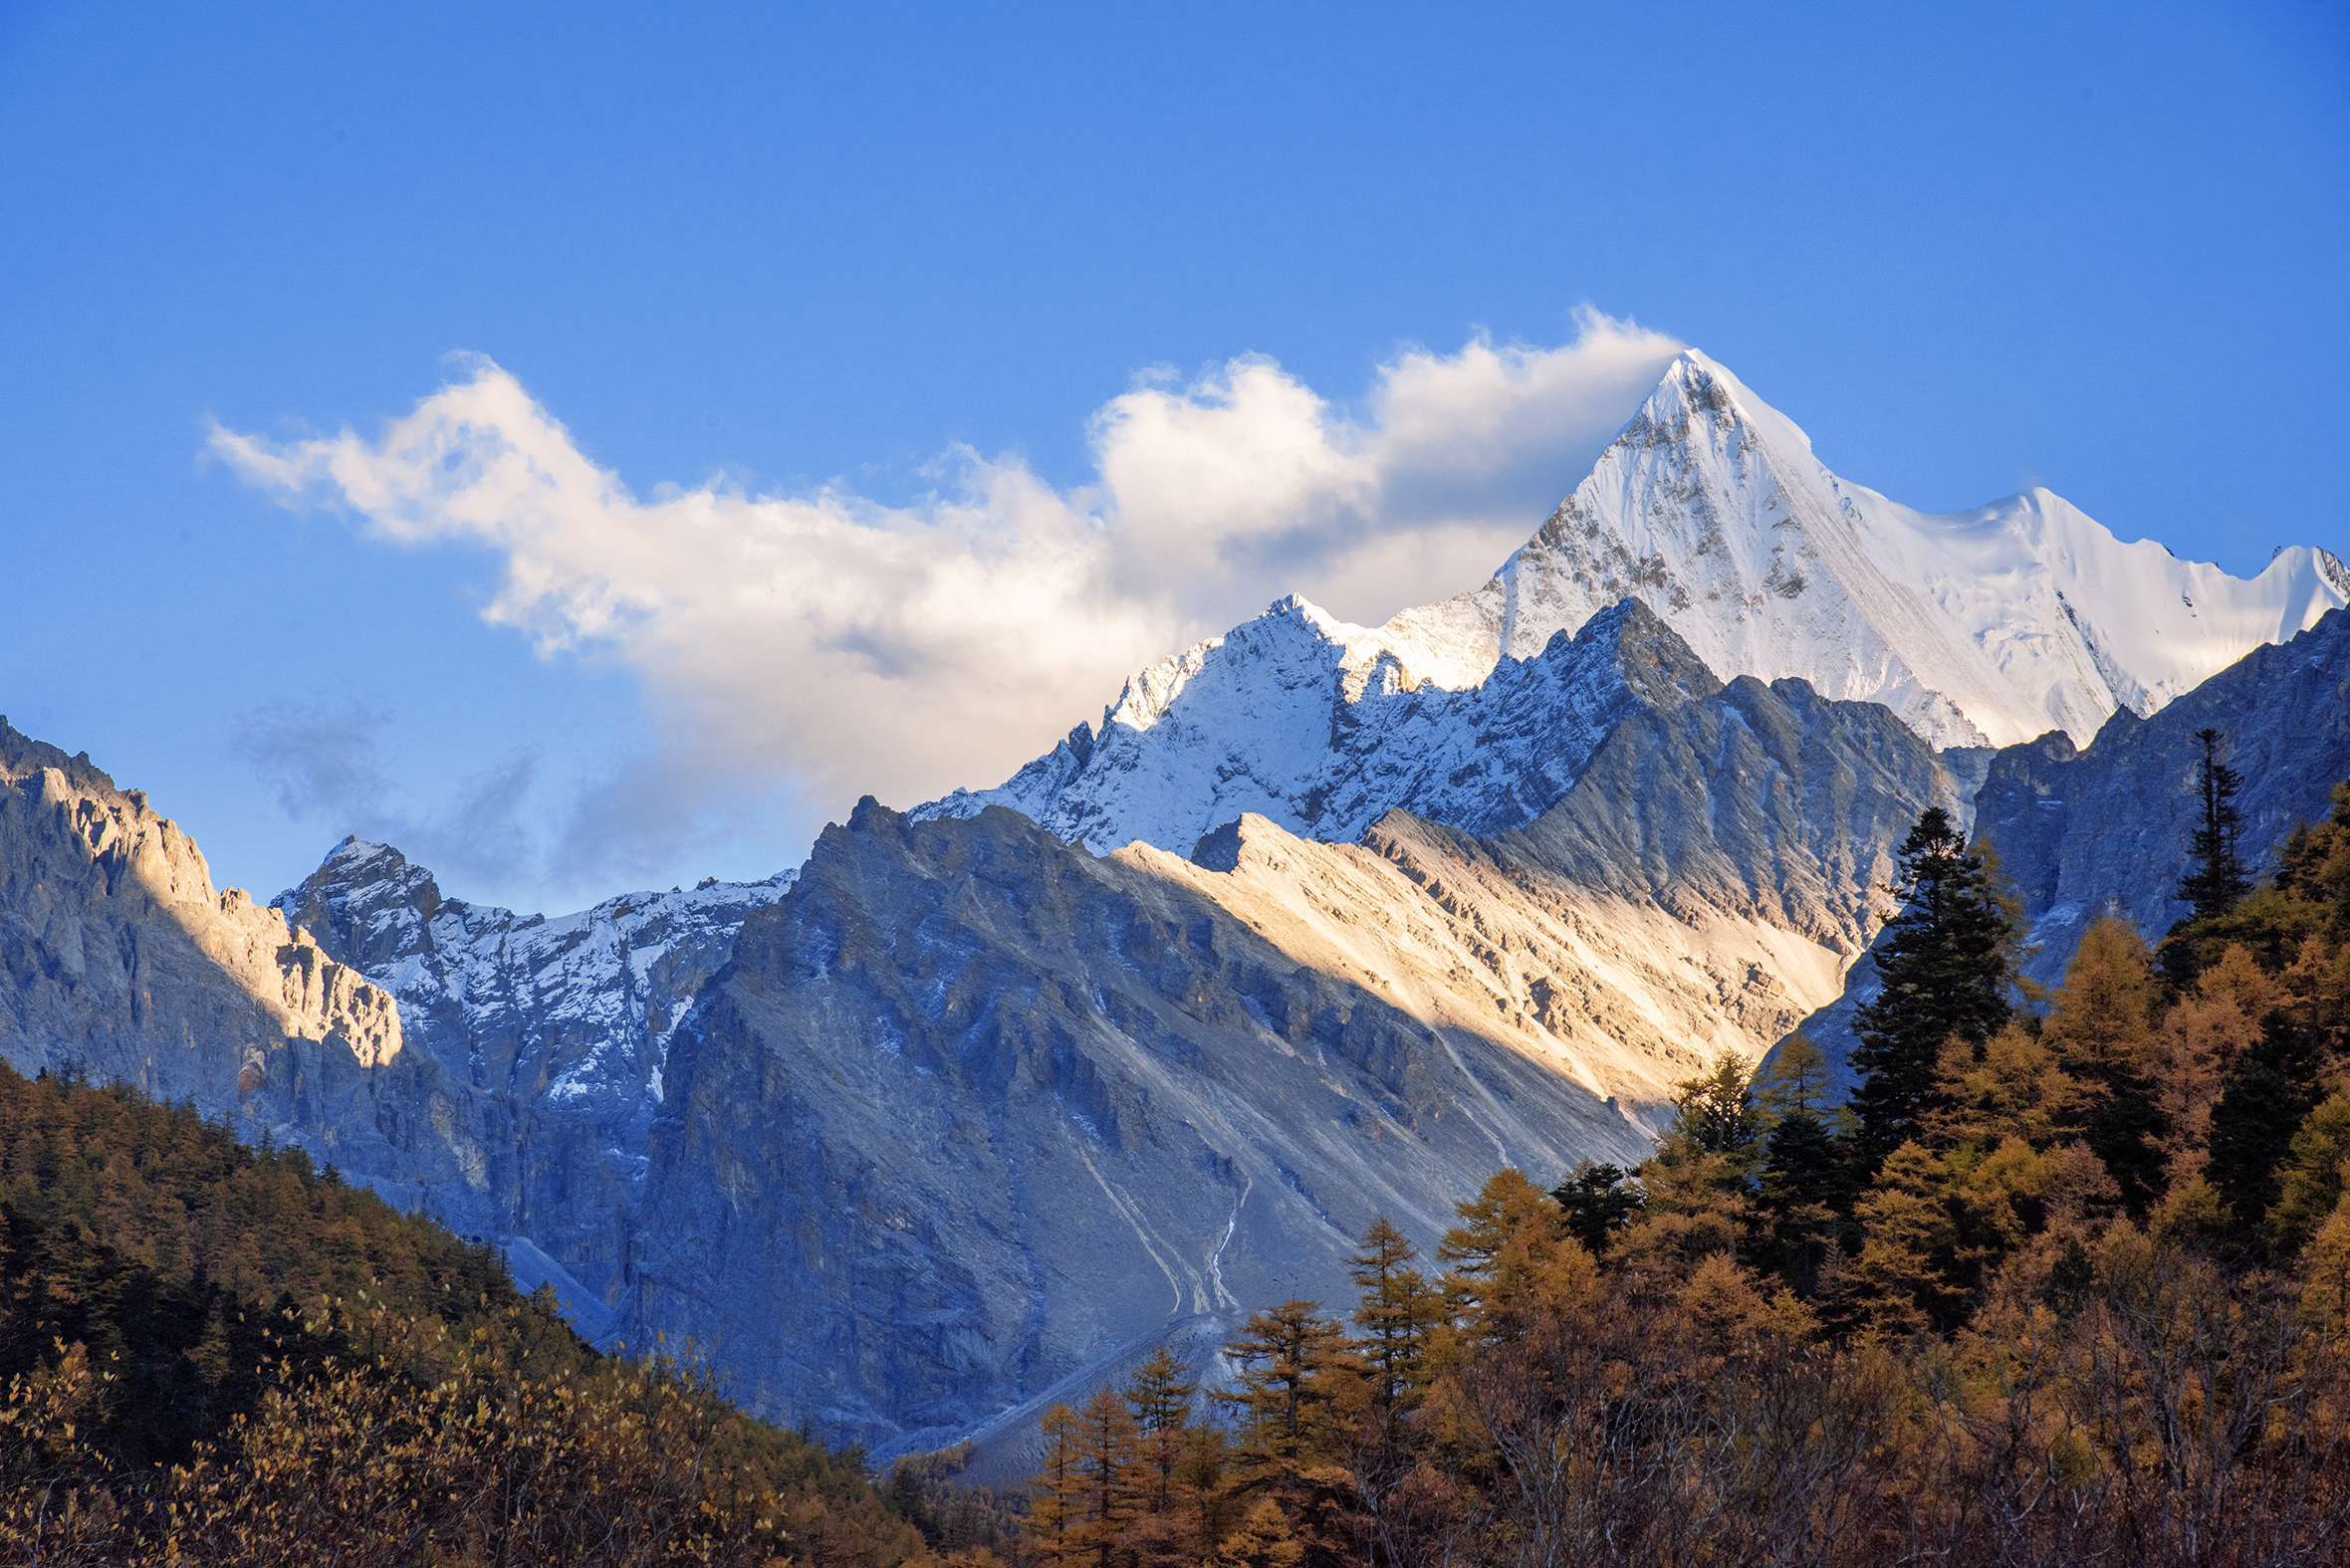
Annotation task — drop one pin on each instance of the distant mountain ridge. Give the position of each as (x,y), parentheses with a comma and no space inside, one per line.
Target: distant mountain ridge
(1709,506)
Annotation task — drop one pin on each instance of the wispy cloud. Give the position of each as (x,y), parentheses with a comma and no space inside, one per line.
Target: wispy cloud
(852,646)
(324,764)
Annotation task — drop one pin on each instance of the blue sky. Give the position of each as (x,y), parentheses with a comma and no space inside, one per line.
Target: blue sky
(909,256)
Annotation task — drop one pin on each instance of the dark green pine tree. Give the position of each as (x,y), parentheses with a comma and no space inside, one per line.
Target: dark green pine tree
(1947,961)
(2218,880)
(1599,1200)
(1801,1187)
(2261,1105)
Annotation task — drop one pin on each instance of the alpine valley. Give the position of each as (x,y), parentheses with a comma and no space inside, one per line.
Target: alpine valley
(1319,922)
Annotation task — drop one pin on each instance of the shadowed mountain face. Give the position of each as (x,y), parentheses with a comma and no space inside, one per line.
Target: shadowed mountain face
(970,1106)
(2104,830)
(563,1023)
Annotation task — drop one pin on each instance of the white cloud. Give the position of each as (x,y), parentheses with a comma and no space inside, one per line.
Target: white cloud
(858,647)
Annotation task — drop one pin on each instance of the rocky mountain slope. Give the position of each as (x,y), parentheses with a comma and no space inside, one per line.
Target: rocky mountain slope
(1992,625)
(2105,827)
(2082,832)
(1045,1108)
(121,962)
(563,1022)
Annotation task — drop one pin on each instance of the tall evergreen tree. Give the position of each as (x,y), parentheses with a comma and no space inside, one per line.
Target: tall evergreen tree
(1107,1478)
(1801,1183)
(1397,1308)
(1599,1200)
(1280,1359)
(2272,1089)
(1056,1513)
(1716,1115)
(2102,1032)
(2217,878)
(1947,963)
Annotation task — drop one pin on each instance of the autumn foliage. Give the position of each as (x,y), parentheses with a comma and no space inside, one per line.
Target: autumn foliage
(2077,1289)
(215,1355)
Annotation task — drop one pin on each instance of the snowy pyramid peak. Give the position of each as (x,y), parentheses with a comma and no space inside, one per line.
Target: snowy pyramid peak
(1997,624)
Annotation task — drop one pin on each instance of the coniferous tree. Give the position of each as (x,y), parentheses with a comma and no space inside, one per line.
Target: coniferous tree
(1262,1539)
(1598,1201)
(2217,879)
(1397,1307)
(1473,1250)
(1716,1113)
(1159,1395)
(1057,1491)
(2272,1088)
(1280,1357)
(1801,1183)
(2310,1178)
(1105,1472)
(2103,1036)
(1898,1283)
(1946,965)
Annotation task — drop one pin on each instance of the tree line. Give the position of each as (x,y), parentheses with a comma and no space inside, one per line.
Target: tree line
(2064,1277)
(215,1354)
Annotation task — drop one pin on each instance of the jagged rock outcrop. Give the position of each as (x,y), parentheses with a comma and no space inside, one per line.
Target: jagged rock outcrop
(563,1022)
(119,962)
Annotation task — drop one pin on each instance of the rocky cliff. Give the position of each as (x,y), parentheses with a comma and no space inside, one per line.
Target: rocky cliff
(119,962)
(560,1024)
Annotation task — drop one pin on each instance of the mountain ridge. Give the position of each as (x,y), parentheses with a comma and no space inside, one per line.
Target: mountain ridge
(1710,510)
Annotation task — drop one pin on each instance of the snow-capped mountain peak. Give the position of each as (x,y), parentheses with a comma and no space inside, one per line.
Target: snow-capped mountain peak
(1324,728)
(1997,623)
(1711,509)
(576,1006)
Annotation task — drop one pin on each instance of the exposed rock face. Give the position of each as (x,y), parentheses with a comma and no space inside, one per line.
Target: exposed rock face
(970,1106)
(2104,830)
(506,1091)
(561,1024)
(119,962)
